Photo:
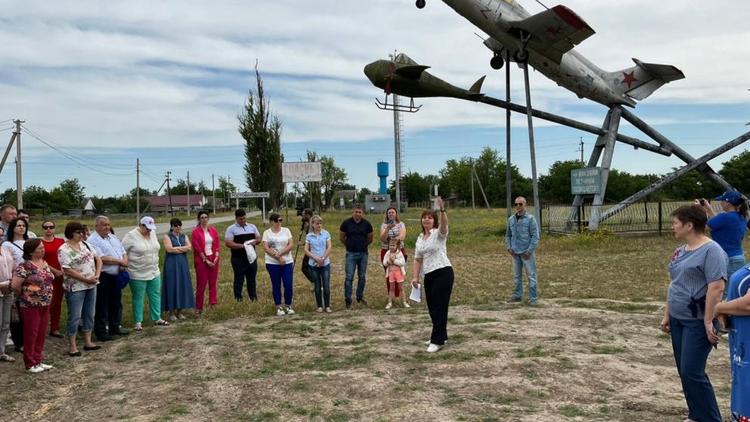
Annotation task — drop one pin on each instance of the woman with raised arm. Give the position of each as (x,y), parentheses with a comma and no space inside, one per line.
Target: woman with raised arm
(431,262)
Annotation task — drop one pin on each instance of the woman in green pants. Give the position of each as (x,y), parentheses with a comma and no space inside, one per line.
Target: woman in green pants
(142,247)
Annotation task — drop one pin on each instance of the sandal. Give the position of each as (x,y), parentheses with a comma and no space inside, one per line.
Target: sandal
(138,327)
(6,358)
(56,334)
(161,322)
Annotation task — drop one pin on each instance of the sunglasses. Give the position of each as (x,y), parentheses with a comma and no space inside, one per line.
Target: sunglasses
(177,225)
(48,227)
(278,220)
(518,204)
(79,232)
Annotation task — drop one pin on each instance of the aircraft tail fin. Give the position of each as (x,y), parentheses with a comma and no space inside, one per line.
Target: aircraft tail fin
(641,80)
(475,92)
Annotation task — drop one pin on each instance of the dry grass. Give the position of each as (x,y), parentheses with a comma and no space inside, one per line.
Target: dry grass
(591,352)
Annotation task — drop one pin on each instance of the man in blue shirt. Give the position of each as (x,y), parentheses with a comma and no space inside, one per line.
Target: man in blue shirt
(521,240)
(108,313)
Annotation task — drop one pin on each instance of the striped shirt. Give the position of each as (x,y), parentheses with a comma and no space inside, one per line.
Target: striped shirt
(691,272)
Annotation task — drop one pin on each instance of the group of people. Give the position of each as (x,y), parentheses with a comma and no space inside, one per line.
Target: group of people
(90,270)
(709,295)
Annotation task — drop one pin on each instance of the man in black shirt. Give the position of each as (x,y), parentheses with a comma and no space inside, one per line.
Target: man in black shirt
(356,235)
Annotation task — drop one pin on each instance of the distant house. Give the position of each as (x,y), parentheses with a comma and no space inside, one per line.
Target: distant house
(179,203)
(87,208)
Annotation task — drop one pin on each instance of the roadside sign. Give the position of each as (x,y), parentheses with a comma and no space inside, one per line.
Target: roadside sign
(585,181)
(245,195)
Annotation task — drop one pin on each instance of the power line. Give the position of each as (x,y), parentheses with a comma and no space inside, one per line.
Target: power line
(73,158)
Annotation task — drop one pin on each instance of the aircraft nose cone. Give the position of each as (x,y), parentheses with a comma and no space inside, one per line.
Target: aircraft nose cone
(371,72)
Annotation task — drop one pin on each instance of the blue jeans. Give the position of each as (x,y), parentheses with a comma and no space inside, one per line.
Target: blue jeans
(530,265)
(734,263)
(691,348)
(81,306)
(354,260)
(322,279)
(277,274)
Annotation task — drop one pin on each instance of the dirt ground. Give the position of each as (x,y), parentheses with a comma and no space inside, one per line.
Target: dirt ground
(567,360)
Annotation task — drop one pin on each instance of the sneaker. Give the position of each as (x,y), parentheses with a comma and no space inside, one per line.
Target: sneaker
(319,310)
(389,305)
(138,327)
(8,342)
(45,366)
(428,342)
(35,369)
(406,304)
(329,310)
(513,299)
(289,310)
(533,303)
(280,312)
(7,358)
(432,348)
(172,318)
(181,316)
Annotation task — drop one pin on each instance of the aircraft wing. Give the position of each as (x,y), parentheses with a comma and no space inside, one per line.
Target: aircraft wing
(555,31)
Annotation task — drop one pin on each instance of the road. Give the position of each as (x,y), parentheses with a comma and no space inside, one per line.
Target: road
(162,228)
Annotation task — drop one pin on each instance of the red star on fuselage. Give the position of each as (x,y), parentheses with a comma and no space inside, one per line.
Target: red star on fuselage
(629,78)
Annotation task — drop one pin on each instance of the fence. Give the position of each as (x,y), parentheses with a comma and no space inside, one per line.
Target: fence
(640,217)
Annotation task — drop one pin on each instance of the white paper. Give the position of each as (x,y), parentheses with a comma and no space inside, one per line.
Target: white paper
(416,293)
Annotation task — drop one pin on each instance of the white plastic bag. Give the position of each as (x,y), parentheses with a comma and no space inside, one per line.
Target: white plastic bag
(250,251)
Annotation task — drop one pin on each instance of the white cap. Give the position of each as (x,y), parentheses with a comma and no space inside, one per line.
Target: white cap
(148,222)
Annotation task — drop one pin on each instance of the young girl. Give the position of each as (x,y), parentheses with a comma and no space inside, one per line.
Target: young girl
(395,268)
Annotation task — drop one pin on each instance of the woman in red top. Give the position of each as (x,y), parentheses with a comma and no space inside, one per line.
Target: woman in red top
(51,245)
(205,241)
(32,282)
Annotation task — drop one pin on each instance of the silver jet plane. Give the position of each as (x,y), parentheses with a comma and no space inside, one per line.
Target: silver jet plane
(546,40)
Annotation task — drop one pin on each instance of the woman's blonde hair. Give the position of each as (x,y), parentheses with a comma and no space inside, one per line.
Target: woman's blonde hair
(316,219)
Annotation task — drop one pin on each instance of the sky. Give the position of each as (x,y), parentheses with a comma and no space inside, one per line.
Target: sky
(101,84)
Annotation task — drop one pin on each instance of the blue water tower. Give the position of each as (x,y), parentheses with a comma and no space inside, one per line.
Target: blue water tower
(383,175)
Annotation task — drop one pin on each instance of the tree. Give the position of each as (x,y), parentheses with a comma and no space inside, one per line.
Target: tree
(181,188)
(416,187)
(736,171)
(555,185)
(690,186)
(262,134)
(73,189)
(456,178)
(334,179)
(36,197)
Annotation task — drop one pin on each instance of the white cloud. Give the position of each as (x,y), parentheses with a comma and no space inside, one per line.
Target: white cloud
(176,73)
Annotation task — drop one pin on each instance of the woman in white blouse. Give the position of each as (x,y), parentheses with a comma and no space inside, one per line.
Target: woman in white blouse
(431,262)
(278,243)
(142,247)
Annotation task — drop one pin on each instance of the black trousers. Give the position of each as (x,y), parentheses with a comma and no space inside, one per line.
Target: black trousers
(244,270)
(438,286)
(108,306)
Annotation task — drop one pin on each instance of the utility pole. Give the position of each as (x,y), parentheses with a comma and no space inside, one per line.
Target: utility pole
(138,188)
(19,181)
(581,149)
(471,178)
(213,191)
(169,194)
(188,186)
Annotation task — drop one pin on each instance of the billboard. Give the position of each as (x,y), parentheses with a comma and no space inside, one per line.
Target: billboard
(305,171)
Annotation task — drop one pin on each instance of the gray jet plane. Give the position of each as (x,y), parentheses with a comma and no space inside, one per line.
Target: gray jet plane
(546,41)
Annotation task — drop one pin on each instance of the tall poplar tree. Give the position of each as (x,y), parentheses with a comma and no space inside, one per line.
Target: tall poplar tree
(262,133)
